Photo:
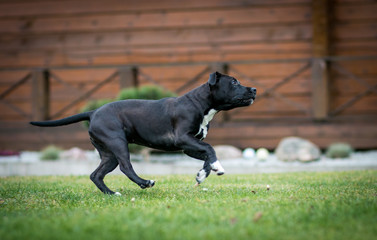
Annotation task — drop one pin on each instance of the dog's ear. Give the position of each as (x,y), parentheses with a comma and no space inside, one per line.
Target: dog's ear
(214,78)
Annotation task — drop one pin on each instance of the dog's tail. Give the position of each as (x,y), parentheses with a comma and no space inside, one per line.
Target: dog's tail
(64,121)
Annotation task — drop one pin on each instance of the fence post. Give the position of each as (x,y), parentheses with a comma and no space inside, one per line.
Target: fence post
(41,94)
(320,68)
(220,67)
(128,77)
(320,89)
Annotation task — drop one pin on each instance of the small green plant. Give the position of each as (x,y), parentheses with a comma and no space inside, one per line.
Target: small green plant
(50,153)
(339,150)
(93,105)
(149,92)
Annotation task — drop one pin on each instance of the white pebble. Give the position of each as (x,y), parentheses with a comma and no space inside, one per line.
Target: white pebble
(262,154)
(248,153)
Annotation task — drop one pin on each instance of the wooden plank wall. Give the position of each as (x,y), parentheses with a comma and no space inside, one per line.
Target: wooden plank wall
(355,34)
(62,34)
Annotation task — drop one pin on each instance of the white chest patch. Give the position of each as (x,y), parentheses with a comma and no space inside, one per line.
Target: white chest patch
(207,118)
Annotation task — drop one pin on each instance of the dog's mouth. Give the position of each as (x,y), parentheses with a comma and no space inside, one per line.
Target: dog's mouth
(248,101)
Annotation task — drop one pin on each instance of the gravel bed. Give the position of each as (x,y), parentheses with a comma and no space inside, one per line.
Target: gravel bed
(28,163)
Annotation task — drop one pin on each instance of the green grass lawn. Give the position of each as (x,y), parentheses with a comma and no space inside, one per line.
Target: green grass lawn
(297,206)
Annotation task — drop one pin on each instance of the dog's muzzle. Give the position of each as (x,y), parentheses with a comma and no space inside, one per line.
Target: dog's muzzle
(252,92)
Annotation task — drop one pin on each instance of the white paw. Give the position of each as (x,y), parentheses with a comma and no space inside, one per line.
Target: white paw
(151,183)
(201,176)
(117,194)
(216,166)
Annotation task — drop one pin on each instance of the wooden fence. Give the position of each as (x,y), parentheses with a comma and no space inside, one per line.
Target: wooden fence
(41,94)
(313,62)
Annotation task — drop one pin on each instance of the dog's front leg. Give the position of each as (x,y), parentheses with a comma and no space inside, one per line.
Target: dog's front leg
(195,148)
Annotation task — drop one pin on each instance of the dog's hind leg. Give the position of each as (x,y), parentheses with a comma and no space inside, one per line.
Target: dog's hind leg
(110,137)
(119,147)
(203,173)
(108,164)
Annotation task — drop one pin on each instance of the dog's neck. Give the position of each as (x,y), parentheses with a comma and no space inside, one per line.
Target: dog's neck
(202,98)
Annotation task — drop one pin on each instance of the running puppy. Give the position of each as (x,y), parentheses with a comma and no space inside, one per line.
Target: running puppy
(169,124)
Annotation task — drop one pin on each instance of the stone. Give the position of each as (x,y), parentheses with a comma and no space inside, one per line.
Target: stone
(297,149)
(248,153)
(262,154)
(74,154)
(227,152)
(339,150)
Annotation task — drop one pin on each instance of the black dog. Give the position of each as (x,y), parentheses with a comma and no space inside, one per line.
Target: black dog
(168,124)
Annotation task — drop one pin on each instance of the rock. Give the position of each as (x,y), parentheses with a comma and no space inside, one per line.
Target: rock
(297,149)
(75,154)
(339,150)
(262,154)
(227,152)
(248,153)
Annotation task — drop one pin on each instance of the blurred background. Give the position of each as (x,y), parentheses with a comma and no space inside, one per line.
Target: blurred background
(314,64)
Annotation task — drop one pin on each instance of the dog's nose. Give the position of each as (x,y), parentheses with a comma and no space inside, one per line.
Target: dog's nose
(253,90)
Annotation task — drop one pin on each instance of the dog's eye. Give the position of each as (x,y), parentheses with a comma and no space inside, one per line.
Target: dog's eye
(235,82)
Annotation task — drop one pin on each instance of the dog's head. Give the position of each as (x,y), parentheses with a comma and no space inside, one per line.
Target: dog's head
(227,92)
